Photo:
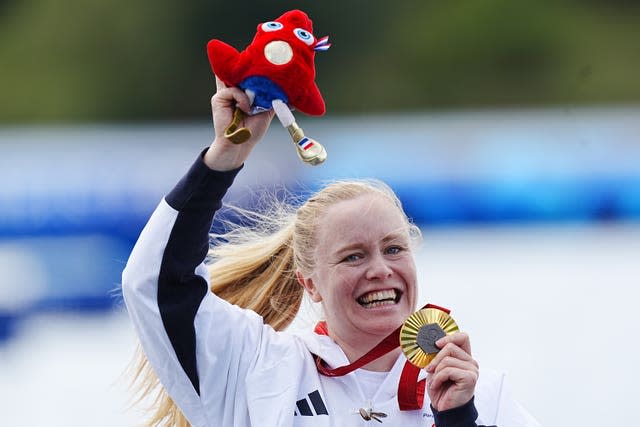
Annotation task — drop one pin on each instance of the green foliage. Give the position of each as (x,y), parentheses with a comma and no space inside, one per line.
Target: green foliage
(141,60)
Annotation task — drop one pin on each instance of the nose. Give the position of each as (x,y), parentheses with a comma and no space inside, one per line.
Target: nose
(378,268)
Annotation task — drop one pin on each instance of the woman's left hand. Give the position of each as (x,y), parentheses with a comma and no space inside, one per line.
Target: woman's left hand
(453,373)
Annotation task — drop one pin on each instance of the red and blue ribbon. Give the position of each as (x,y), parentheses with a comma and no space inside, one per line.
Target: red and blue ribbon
(322,44)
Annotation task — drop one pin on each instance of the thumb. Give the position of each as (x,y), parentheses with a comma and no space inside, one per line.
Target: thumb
(219,84)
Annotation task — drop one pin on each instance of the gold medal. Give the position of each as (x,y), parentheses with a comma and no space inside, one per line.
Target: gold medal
(420,332)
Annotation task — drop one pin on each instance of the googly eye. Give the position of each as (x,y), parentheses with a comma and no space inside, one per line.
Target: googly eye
(271,26)
(304,35)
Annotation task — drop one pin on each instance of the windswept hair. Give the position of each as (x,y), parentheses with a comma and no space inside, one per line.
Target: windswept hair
(254,266)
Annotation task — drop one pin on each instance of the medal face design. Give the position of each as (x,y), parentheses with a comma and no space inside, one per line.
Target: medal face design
(427,337)
(420,332)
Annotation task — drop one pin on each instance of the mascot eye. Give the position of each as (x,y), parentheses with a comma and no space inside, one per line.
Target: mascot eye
(271,26)
(304,35)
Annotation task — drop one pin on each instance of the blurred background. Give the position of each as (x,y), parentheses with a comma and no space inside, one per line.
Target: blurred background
(510,130)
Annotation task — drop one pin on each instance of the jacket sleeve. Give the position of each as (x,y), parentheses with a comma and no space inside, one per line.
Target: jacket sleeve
(190,336)
(462,416)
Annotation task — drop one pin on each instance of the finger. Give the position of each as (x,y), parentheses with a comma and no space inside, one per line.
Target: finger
(231,96)
(461,339)
(219,84)
(450,350)
(452,362)
(461,377)
(241,98)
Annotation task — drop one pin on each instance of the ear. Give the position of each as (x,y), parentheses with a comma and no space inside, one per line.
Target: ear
(309,286)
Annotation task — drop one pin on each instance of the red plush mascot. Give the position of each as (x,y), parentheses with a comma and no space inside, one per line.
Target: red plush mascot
(277,71)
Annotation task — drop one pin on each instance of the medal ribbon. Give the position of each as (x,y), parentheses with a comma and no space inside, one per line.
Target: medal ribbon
(410,390)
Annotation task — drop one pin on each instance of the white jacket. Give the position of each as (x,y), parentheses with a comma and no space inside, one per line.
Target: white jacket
(221,365)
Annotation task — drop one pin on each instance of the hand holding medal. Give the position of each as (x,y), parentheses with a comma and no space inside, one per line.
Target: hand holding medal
(430,339)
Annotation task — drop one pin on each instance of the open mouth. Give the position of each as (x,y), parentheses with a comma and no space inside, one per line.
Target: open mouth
(379,298)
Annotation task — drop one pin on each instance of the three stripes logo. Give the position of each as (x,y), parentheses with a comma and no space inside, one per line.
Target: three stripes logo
(304,409)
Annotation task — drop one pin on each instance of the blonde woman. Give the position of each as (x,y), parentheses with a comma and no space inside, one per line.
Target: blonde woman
(213,334)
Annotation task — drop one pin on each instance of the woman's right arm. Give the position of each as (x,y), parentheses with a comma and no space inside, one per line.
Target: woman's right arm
(165,282)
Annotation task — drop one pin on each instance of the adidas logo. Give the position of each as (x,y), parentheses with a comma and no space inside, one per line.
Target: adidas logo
(304,409)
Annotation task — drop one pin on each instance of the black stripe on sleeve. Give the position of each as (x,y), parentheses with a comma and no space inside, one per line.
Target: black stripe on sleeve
(180,291)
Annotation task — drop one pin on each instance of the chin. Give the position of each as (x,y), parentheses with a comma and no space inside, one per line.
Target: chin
(383,322)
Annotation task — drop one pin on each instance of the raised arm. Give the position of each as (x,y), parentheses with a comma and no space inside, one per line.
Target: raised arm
(182,326)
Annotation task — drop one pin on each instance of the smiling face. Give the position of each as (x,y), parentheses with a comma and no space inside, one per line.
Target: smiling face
(364,272)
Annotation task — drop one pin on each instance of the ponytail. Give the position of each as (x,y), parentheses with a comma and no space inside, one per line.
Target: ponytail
(259,275)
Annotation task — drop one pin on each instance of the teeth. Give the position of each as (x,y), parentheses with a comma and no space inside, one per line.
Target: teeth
(378,298)
(378,303)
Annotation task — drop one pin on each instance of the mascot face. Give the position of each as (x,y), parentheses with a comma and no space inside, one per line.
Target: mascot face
(282,51)
(288,37)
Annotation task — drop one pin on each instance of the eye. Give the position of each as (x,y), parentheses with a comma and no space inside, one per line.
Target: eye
(394,250)
(304,35)
(271,26)
(352,258)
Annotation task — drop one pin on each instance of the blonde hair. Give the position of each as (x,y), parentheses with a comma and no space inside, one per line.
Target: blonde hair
(254,267)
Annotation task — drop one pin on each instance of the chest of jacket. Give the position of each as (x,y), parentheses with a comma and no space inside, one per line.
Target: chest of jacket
(293,393)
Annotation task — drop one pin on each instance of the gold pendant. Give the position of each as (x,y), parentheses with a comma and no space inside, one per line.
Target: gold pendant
(369,414)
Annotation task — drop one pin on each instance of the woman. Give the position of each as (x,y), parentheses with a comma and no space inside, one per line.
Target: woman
(349,247)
